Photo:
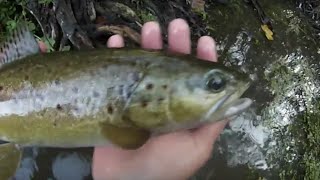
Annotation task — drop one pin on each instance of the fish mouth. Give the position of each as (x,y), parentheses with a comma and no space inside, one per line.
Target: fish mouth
(231,109)
(238,106)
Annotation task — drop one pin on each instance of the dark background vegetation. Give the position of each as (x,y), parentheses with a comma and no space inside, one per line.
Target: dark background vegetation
(82,18)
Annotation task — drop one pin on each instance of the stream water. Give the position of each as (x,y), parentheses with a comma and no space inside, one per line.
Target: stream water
(286,72)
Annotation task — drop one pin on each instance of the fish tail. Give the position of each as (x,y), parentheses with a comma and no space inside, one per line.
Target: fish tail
(19,44)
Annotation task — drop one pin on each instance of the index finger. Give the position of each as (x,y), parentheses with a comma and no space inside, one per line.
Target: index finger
(179,36)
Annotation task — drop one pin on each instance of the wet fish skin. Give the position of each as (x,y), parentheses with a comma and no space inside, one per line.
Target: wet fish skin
(91,98)
(102,96)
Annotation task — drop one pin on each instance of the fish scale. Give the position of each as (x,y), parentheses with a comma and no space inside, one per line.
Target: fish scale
(52,94)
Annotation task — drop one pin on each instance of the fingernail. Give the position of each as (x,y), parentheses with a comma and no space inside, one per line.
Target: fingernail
(206,49)
(115,41)
(179,36)
(151,36)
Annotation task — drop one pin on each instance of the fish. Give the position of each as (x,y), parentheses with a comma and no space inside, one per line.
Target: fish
(100,97)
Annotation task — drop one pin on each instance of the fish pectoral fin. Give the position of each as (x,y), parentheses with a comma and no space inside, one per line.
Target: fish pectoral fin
(10,156)
(125,137)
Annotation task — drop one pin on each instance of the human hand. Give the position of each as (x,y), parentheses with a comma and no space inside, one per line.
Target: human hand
(172,156)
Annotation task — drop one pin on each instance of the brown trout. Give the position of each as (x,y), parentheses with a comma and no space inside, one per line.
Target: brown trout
(109,96)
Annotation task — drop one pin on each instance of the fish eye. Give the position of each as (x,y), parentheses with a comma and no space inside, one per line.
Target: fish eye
(216,82)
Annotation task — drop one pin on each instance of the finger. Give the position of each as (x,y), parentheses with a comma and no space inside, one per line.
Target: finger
(206,49)
(151,36)
(179,36)
(42,46)
(115,41)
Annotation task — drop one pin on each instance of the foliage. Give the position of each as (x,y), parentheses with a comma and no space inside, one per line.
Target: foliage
(146,16)
(308,164)
(312,146)
(45,1)
(13,13)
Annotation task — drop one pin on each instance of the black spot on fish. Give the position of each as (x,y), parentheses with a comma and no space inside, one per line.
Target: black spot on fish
(164,86)
(144,103)
(110,109)
(57,82)
(76,109)
(149,86)
(160,99)
(26,77)
(54,124)
(96,94)
(59,107)
(1,88)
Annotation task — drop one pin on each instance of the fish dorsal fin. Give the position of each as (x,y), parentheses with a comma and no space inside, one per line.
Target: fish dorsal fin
(10,156)
(19,44)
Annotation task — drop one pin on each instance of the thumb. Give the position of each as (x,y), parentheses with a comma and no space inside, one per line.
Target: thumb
(206,136)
